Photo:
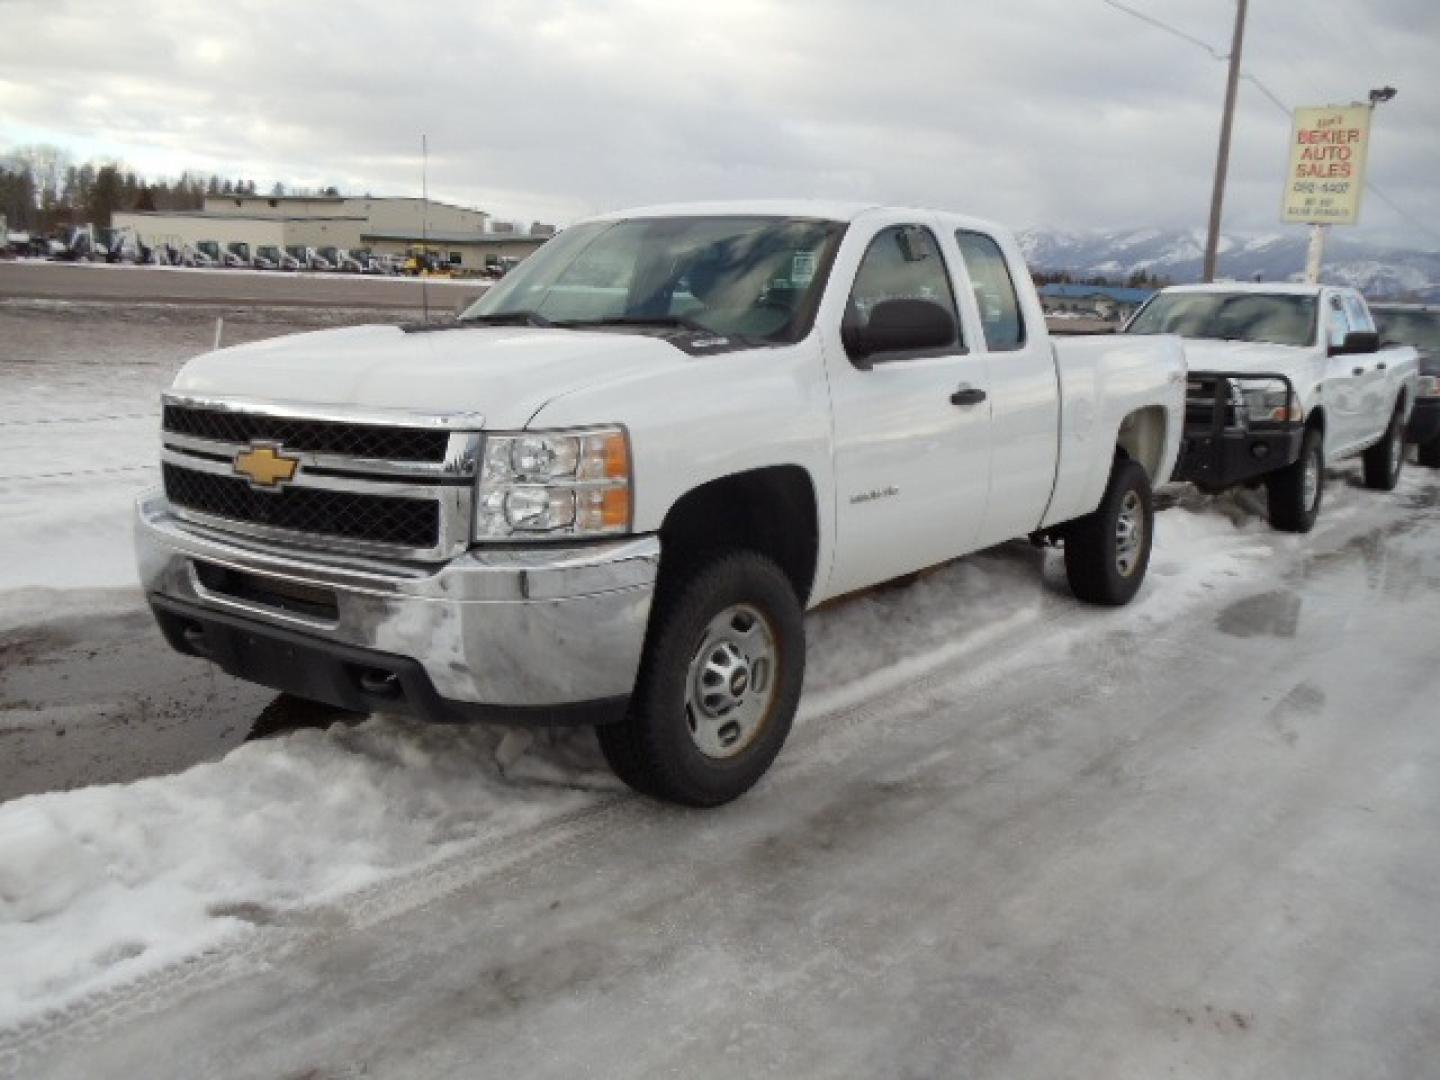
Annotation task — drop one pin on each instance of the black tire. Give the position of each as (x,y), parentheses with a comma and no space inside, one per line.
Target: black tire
(1429,454)
(1290,510)
(1384,460)
(653,749)
(1101,570)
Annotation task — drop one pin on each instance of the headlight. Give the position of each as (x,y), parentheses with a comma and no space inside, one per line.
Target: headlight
(1271,404)
(554,483)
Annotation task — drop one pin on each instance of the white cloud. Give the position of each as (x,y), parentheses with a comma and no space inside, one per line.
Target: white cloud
(1061,112)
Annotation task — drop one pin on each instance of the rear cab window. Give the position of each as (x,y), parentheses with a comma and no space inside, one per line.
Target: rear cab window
(995,295)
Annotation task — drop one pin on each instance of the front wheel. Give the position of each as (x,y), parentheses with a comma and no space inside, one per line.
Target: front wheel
(1384,460)
(718,685)
(1107,552)
(1296,491)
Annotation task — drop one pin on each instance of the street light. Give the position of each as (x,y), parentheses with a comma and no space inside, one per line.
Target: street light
(1385,93)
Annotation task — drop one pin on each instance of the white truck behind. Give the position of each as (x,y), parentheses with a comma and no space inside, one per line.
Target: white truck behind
(608,493)
(1284,380)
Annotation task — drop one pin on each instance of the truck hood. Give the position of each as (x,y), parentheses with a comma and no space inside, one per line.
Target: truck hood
(505,374)
(1203,354)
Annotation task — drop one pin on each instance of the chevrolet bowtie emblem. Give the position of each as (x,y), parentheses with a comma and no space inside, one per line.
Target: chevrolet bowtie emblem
(265,466)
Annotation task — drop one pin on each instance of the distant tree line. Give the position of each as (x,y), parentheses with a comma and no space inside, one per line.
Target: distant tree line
(1138,279)
(43,191)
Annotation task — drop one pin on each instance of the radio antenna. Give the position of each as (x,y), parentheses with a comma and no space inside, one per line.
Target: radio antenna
(424,225)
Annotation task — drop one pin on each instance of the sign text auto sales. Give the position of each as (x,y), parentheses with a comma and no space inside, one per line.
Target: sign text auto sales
(1327,165)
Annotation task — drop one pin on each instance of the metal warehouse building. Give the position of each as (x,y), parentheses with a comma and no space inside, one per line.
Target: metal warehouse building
(464,237)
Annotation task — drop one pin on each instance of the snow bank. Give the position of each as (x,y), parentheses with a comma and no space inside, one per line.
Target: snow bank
(100,885)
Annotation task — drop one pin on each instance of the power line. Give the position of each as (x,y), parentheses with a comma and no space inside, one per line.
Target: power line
(1214,52)
(1275,99)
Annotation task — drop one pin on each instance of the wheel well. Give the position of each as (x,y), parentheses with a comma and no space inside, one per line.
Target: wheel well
(1142,439)
(770,510)
(1317,420)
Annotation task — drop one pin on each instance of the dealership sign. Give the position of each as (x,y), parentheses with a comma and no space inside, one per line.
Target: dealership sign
(1327,165)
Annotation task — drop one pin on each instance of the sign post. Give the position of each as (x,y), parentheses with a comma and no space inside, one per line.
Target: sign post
(1326,173)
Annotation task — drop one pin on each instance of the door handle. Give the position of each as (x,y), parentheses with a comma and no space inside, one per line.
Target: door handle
(1357,371)
(967,395)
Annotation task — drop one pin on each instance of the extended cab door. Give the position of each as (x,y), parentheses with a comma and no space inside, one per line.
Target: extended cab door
(1024,392)
(911,425)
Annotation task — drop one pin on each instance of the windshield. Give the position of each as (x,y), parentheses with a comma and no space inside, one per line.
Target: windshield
(1273,318)
(754,277)
(1410,327)
(295,252)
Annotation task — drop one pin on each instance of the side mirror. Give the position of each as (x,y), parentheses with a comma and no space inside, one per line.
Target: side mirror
(900,326)
(1357,341)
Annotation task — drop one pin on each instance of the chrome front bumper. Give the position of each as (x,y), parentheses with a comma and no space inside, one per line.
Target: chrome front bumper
(522,627)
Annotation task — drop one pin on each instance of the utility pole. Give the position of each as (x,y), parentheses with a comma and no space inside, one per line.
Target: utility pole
(424,259)
(1222,159)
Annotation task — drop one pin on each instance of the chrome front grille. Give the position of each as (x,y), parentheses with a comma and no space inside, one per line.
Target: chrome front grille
(317,436)
(383,519)
(366,482)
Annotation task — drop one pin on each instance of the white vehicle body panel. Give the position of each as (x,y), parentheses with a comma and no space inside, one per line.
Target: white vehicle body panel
(903,478)
(1358,392)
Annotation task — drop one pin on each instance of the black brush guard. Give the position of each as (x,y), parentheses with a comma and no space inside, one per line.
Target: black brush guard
(1215,455)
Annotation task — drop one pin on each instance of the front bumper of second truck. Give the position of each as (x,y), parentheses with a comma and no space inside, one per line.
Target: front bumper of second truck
(1238,426)
(358,583)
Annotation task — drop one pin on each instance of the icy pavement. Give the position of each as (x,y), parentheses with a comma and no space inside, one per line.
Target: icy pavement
(1006,824)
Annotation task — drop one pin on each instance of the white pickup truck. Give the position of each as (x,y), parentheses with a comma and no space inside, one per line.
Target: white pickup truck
(1284,379)
(609,491)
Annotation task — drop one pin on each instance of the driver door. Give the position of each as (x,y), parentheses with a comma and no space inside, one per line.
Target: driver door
(911,427)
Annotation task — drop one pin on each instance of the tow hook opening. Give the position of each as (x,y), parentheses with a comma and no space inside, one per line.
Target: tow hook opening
(380,683)
(193,634)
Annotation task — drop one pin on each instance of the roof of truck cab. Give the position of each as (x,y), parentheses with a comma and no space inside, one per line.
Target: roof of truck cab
(1282,288)
(820,209)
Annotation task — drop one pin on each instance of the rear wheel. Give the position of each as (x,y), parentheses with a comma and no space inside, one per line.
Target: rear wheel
(1107,552)
(718,685)
(1296,491)
(1384,460)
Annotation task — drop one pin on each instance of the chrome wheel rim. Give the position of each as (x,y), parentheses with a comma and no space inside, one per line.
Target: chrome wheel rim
(1129,533)
(1312,482)
(730,685)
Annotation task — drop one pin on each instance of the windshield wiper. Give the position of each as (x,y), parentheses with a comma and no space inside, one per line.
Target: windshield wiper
(679,322)
(508,318)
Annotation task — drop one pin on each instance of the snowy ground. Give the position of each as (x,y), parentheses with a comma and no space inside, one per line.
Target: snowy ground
(1011,836)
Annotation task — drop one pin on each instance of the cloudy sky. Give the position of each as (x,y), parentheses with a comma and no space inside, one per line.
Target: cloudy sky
(1059,113)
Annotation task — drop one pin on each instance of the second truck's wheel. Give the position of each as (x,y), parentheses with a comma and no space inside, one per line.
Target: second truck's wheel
(1384,460)
(1296,491)
(718,685)
(1429,454)
(1106,553)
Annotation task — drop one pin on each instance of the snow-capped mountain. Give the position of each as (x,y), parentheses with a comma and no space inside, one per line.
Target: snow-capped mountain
(1179,254)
